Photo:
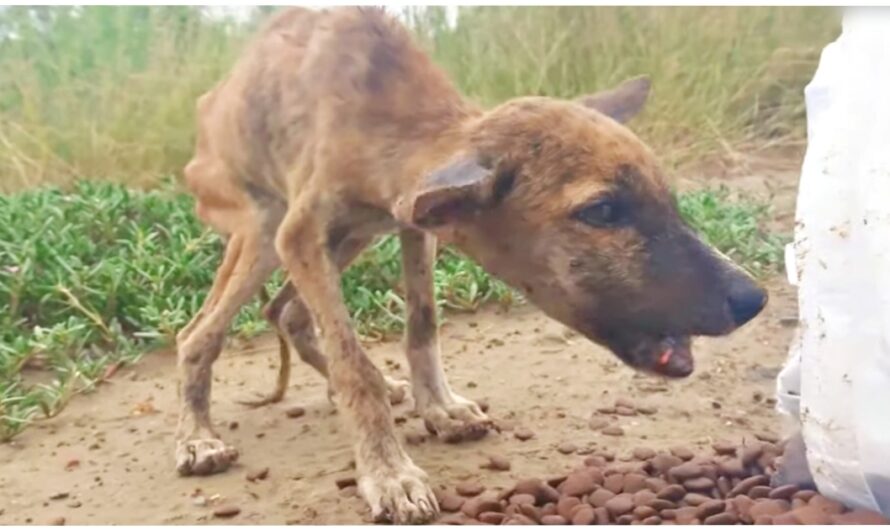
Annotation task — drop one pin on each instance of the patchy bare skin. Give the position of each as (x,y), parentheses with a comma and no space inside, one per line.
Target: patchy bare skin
(335,128)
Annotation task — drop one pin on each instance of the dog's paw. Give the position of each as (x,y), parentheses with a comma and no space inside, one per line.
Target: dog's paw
(204,457)
(397,389)
(399,494)
(456,419)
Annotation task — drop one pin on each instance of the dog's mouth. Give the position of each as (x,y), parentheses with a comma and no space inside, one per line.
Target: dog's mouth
(669,356)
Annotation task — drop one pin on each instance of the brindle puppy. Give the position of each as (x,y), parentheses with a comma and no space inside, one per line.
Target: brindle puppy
(335,128)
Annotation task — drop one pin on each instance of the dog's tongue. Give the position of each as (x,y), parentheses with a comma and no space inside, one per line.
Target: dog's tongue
(674,357)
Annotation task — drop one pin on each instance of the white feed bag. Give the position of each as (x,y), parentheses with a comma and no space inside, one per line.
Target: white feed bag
(839,366)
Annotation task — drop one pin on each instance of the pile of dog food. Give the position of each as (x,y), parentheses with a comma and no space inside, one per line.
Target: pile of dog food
(732,486)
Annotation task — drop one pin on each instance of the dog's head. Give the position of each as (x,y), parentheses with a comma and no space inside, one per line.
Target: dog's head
(563,202)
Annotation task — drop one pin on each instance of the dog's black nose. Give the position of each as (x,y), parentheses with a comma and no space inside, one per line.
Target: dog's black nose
(746,301)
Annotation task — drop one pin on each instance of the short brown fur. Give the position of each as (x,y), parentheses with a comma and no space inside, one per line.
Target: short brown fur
(334,128)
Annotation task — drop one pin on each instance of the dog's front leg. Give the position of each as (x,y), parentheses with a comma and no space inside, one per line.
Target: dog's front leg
(452,417)
(392,484)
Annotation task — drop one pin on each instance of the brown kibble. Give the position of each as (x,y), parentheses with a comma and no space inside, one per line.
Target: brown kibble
(634,482)
(606,410)
(58,496)
(661,504)
(826,505)
(226,511)
(547,494)
(625,411)
(523,434)
(731,467)
(765,436)
(723,447)
(759,492)
(683,453)
(450,502)
(723,486)
(805,495)
(344,482)
(695,499)
(595,461)
(600,497)
(652,520)
(646,409)
(57,521)
(483,405)
(584,516)
(491,517)
(643,512)
(565,505)
(686,471)
(532,486)
(556,480)
(644,497)
(811,515)
(699,484)
(745,485)
(625,519)
(350,491)
(613,430)
(663,462)
(750,453)
(614,483)
(497,463)
(469,489)
(625,402)
(709,508)
(483,503)
(620,504)
(643,453)
(553,520)
(771,507)
(742,505)
(725,518)
(567,448)
(577,484)
(295,412)
(602,515)
(672,493)
(656,484)
(523,498)
(258,474)
(685,515)
(785,519)
(859,516)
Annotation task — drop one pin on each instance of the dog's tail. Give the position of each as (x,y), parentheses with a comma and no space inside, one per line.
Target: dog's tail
(283,368)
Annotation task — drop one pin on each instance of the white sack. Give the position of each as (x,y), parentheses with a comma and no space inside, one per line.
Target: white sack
(839,365)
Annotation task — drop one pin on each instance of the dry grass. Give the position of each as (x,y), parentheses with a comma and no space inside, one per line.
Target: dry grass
(109,92)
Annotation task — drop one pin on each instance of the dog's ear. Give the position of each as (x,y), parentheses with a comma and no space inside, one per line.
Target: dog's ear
(622,102)
(456,190)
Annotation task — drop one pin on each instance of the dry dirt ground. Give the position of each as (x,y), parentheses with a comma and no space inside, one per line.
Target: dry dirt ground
(107,459)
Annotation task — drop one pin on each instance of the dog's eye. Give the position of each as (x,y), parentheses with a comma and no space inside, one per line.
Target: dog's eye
(604,213)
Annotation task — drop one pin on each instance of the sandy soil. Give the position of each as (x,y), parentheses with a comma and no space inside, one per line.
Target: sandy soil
(108,457)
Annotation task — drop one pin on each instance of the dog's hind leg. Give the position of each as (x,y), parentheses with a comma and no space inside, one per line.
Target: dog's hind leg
(272,310)
(199,451)
(291,319)
(452,417)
